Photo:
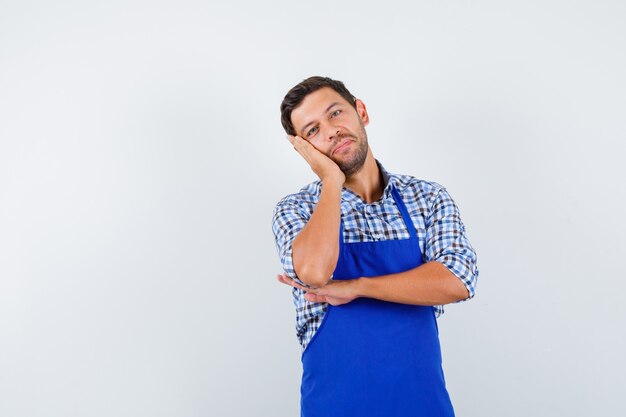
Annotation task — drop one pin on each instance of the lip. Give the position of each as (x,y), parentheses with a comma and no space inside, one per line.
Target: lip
(342,145)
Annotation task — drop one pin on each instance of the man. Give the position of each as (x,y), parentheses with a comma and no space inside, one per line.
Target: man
(372,257)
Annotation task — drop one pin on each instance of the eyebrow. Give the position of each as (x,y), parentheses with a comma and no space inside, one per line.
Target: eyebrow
(310,123)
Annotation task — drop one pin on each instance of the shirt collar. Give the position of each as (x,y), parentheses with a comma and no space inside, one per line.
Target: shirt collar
(388,180)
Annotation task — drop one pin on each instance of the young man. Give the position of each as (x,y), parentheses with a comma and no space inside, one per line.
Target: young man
(372,257)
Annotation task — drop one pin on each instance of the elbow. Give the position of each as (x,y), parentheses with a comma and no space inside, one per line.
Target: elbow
(459,291)
(314,275)
(462,293)
(460,283)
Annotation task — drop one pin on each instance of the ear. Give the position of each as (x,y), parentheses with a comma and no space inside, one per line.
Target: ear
(362,112)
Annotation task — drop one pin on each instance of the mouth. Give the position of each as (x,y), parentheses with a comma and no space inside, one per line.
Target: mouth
(341,145)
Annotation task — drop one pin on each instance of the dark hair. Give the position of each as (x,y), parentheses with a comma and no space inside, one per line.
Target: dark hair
(296,95)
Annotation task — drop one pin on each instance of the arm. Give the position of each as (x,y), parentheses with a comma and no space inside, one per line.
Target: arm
(449,273)
(312,245)
(429,284)
(316,248)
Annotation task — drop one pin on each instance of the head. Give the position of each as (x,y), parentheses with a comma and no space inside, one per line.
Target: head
(323,112)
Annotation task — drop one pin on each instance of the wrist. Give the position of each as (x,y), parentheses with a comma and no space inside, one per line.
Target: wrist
(361,286)
(335,183)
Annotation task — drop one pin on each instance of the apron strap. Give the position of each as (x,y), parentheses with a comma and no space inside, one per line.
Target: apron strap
(408,222)
(340,232)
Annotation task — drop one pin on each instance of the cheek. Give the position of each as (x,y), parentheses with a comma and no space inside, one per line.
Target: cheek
(320,145)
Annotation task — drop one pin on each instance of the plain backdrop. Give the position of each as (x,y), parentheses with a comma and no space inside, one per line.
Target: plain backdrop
(141,155)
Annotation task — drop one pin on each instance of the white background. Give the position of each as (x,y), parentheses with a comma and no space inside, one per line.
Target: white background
(141,155)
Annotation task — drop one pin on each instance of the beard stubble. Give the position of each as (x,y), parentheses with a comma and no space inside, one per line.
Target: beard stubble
(354,164)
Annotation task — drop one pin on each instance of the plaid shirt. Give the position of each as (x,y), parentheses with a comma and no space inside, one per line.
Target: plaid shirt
(435,216)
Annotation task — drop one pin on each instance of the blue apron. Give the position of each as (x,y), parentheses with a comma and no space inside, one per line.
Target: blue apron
(373,358)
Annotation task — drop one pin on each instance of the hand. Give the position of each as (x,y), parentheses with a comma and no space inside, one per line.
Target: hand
(334,292)
(325,168)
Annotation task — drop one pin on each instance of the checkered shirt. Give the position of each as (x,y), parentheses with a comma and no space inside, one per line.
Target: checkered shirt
(435,216)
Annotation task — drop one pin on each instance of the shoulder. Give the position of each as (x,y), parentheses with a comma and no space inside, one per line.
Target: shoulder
(304,200)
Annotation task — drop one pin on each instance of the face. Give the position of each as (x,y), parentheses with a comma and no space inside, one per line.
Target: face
(334,127)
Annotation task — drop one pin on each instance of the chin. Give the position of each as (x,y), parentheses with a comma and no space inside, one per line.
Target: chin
(351,169)
(353,164)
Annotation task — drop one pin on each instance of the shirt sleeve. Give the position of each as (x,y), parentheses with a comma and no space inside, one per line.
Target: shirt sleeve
(288,220)
(446,241)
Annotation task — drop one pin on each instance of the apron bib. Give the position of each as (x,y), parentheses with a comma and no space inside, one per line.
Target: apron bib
(373,358)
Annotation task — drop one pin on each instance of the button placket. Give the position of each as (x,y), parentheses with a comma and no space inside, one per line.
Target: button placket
(372,221)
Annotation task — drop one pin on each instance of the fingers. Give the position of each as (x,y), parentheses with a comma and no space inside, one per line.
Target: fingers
(288,281)
(315,298)
(284,279)
(316,159)
(296,141)
(302,146)
(310,294)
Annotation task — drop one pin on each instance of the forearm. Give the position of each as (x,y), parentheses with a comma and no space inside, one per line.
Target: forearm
(316,248)
(428,284)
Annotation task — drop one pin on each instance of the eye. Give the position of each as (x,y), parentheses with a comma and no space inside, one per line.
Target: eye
(312,131)
(335,113)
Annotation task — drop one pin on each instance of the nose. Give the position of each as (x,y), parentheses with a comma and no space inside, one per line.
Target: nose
(331,132)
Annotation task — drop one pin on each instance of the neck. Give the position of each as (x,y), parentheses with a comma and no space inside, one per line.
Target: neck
(367,183)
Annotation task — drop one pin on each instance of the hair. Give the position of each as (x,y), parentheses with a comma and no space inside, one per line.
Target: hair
(296,95)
